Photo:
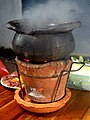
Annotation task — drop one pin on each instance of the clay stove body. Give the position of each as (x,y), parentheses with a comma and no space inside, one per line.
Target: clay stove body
(44,82)
(45,85)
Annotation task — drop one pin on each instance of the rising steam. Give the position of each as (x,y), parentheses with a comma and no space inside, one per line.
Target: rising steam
(53,11)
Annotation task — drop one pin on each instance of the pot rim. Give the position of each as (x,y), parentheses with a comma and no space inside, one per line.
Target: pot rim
(23,26)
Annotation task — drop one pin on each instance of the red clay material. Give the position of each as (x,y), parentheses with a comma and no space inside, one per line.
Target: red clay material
(41,108)
(40,80)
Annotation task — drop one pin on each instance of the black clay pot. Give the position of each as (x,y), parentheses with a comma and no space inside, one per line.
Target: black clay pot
(43,44)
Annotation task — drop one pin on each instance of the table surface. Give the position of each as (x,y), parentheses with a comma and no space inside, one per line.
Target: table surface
(77,108)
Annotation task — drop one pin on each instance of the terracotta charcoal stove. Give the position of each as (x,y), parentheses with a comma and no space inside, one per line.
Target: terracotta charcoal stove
(43,60)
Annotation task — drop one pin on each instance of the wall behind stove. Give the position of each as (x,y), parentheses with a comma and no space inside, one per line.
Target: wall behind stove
(68,10)
(12,9)
(9,9)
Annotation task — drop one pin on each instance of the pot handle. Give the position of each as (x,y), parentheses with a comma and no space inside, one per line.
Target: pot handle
(78,68)
(10,60)
(68,71)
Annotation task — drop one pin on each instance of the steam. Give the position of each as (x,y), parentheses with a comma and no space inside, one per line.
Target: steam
(52,12)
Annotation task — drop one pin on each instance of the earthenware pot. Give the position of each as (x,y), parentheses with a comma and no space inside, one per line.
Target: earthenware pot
(47,43)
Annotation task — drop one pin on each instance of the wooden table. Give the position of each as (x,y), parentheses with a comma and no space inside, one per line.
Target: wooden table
(77,108)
